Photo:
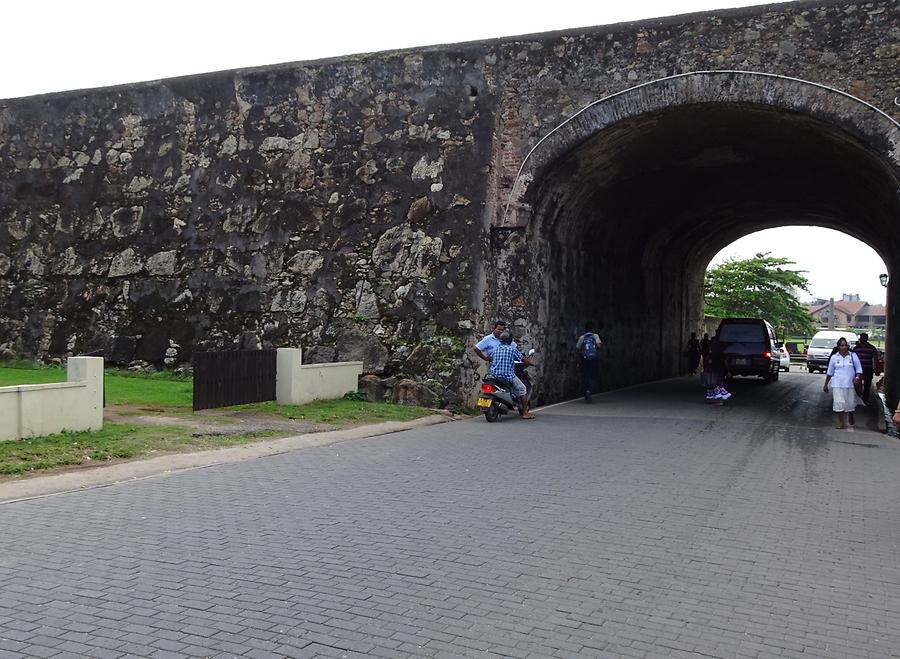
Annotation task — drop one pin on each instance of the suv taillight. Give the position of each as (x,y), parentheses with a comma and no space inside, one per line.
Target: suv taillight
(767,355)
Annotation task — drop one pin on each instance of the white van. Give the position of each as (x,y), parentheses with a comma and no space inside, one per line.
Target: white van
(819,351)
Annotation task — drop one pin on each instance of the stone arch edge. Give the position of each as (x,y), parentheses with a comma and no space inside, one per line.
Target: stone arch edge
(862,119)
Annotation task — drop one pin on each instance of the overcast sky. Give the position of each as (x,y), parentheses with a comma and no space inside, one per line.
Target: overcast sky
(65,44)
(812,248)
(61,45)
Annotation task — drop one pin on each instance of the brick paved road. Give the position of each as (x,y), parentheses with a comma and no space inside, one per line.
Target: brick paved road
(646,524)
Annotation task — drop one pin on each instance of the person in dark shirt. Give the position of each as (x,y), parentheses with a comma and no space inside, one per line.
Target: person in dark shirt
(704,346)
(718,369)
(692,352)
(587,347)
(867,354)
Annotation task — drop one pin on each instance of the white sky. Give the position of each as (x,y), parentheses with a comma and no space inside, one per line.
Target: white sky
(61,45)
(72,44)
(812,248)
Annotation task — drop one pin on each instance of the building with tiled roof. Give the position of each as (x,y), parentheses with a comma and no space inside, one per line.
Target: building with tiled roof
(849,313)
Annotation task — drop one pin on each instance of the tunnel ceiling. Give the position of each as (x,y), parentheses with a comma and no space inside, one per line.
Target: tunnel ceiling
(711,173)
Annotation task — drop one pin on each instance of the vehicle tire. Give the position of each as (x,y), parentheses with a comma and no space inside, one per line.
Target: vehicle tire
(787,369)
(811,369)
(492,413)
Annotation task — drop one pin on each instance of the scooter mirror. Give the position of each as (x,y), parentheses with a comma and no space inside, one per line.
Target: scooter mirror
(531,352)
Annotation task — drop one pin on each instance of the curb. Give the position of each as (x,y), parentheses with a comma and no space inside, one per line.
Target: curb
(104,476)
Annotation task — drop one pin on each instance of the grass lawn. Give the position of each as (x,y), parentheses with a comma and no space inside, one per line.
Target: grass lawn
(170,395)
(11,376)
(153,390)
(340,412)
(174,394)
(148,391)
(116,440)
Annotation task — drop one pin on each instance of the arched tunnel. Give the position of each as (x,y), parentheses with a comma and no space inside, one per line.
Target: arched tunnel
(623,223)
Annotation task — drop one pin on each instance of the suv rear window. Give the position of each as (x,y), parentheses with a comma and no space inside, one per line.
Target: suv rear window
(742,333)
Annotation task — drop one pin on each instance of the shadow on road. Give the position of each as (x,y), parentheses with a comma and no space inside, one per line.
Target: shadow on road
(796,399)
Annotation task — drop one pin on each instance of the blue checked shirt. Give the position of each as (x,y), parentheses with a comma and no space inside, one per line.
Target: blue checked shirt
(503,362)
(488,343)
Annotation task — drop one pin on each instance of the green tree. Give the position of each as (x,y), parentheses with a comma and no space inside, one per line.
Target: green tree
(759,287)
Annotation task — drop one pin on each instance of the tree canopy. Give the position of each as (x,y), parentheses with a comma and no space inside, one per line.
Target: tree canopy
(759,287)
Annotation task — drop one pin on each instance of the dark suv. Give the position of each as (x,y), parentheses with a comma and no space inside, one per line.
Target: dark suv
(750,348)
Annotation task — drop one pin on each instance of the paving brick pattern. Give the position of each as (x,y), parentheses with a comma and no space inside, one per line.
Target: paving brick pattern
(576,535)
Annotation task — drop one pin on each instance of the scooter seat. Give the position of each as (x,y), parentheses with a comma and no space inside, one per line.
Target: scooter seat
(506,384)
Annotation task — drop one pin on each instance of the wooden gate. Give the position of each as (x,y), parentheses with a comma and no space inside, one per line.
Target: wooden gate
(233,377)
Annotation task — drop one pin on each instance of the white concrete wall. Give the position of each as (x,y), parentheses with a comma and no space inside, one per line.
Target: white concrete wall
(34,410)
(296,384)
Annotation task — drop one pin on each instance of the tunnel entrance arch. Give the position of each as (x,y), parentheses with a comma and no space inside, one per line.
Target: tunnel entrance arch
(616,213)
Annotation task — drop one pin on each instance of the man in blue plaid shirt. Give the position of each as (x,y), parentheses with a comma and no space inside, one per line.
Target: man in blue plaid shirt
(503,366)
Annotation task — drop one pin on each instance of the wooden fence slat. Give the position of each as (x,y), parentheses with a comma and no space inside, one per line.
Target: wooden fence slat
(233,377)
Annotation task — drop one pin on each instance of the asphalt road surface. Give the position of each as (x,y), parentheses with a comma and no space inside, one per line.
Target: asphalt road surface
(645,524)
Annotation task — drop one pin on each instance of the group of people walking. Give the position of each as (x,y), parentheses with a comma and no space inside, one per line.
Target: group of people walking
(848,378)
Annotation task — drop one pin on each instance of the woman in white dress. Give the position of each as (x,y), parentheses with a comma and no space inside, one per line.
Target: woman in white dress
(844,370)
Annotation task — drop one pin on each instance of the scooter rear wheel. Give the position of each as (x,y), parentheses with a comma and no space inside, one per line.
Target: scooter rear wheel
(492,413)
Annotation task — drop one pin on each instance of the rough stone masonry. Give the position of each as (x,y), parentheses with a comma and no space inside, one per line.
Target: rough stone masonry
(353,206)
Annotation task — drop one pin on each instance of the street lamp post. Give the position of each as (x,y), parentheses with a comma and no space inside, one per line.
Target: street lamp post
(884,278)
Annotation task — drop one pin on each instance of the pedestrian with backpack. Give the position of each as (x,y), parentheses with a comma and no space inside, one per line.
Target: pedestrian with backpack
(587,348)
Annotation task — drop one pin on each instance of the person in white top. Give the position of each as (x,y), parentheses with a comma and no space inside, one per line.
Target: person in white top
(844,371)
(485,347)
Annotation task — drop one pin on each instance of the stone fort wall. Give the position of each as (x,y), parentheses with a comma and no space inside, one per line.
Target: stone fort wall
(343,205)
(335,206)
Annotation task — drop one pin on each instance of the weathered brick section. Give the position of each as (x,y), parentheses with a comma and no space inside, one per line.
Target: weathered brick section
(850,46)
(343,205)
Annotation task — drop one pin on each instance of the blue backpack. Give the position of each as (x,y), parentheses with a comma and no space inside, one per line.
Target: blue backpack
(589,347)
